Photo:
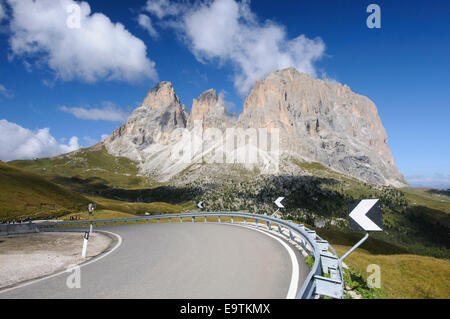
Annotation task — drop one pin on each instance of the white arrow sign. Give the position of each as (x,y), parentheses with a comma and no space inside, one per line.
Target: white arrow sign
(359,215)
(200,205)
(278,202)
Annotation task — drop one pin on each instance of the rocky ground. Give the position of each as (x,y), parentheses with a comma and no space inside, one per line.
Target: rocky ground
(25,257)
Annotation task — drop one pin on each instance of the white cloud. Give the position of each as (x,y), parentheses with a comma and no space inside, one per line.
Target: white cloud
(146,23)
(109,112)
(5,92)
(226,31)
(99,49)
(21,143)
(437,180)
(2,12)
(90,140)
(163,8)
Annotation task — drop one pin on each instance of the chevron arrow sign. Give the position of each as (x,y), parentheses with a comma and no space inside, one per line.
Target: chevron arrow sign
(278,202)
(365,214)
(200,205)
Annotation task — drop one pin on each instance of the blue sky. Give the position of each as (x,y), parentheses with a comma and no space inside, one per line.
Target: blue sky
(404,67)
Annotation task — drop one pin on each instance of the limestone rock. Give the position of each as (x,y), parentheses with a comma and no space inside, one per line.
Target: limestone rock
(210,109)
(153,122)
(317,121)
(323,122)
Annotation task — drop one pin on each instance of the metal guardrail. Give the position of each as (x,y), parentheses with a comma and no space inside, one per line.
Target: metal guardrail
(325,277)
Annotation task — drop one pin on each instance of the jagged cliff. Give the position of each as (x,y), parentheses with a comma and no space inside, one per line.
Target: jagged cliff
(317,121)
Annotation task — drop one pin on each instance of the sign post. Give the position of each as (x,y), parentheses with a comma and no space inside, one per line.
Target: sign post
(91,208)
(85,242)
(279,205)
(365,215)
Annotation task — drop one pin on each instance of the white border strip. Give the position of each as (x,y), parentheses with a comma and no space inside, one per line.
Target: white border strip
(119,242)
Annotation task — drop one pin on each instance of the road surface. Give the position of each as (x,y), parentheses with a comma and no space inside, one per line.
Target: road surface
(180,260)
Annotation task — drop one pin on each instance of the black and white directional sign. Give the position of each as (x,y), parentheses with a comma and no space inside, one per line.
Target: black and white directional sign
(365,214)
(200,205)
(91,207)
(278,202)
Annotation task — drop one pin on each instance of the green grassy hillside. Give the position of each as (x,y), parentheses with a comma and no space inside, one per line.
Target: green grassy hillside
(24,194)
(412,251)
(112,182)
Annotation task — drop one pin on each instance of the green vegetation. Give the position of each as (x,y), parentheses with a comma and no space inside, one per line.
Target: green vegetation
(356,283)
(412,251)
(24,194)
(310,261)
(403,275)
(112,182)
(88,170)
(140,208)
(97,215)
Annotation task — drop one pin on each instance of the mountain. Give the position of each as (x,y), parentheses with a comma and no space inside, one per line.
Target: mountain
(306,120)
(24,194)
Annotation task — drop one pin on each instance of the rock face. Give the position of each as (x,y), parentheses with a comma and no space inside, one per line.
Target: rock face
(210,109)
(323,122)
(317,121)
(152,123)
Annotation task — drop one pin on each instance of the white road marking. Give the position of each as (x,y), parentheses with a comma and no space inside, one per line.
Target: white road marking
(119,242)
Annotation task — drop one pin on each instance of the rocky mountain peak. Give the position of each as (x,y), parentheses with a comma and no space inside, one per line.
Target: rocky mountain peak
(317,120)
(210,109)
(161,96)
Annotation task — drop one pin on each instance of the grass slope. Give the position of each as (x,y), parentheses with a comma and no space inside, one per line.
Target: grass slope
(403,275)
(24,194)
(114,183)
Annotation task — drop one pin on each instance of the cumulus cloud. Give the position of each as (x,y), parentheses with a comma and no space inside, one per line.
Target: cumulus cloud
(21,143)
(227,31)
(163,8)
(5,92)
(109,112)
(146,23)
(75,43)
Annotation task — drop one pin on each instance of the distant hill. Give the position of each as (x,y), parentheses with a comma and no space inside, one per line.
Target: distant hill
(25,194)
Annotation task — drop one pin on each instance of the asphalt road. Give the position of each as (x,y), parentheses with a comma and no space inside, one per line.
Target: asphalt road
(180,261)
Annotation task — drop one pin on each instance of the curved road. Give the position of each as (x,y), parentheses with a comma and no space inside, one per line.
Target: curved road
(180,261)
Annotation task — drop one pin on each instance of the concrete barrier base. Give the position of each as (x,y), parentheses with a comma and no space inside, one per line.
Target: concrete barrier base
(13,229)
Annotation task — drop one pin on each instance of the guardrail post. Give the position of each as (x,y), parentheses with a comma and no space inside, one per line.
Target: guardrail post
(279,229)
(146,220)
(290,235)
(205,220)
(136,221)
(193,219)
(158,220)
(181,219)
(170,220)
(245,220)
(219,220)
(232,219)
(268,225)
(256,222)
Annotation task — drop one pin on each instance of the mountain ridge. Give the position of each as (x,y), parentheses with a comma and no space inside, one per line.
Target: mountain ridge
(317,122)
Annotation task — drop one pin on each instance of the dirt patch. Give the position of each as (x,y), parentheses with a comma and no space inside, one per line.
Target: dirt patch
(28,256)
